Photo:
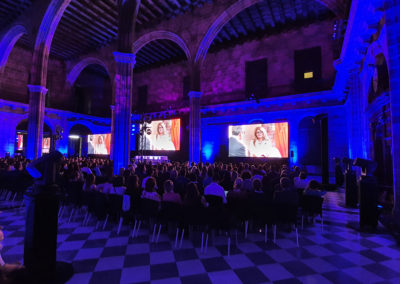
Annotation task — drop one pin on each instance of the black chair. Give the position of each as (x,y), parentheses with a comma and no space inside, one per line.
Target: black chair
(73,198)
(100,207)
(311,206)
(260,210)
(194,215)
(218,218)
(171,212)
(88,198)
(149,210)
(239,209)
(285,213)
(115,209)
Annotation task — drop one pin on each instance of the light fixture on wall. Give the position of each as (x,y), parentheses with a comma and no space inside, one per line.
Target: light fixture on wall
(74,136)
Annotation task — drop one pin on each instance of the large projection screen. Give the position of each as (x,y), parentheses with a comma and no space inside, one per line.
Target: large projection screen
(267,140)
(160,135)
(46,145)
(99,144)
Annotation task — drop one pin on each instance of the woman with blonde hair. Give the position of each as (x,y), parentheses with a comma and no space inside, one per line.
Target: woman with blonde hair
(162,140)
(262,146)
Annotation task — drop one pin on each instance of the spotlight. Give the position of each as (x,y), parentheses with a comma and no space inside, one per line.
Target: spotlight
(74,136)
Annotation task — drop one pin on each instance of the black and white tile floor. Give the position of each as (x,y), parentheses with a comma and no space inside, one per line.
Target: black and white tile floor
(338,254)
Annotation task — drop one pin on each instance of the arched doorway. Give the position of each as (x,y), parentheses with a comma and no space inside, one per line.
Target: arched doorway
(78,140)
(22,138)
(92,91)
(309,145)
(380,126)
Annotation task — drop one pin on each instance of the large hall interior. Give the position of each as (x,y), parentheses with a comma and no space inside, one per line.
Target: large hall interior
(199,141)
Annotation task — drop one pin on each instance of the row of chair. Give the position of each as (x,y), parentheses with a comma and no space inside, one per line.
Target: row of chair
(216,216)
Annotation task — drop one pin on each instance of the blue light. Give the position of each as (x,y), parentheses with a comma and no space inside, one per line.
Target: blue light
(208,150)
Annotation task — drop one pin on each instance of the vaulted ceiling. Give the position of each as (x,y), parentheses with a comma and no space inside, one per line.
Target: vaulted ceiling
(88,25)
(11,9)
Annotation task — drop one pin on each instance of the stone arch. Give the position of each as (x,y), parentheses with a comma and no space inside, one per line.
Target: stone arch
(44,38)
(81,65)
(309,147)
(78,145)
(8,41)
(218,24)
(152,36)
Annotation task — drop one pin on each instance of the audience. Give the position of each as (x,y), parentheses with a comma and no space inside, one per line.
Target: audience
(149,191)
(301,181)
(215,189)
(313,189)
(169,194)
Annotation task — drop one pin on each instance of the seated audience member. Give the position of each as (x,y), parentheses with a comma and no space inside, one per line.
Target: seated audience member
(285,194)
(237,192)
(106,187)
(132,187)
(284,184)
(118,186)
(192,196)
(169,194)
(226,182)
(267,187)
(258,197)
(313,189)
(90,183)
(301,181)
(247,183)
(149,191)
(208,177)
(215,189)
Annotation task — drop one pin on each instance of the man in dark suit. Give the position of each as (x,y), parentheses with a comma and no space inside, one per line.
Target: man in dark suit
(236,146)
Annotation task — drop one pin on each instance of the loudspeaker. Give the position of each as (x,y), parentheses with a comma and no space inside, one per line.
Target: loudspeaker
(368,191)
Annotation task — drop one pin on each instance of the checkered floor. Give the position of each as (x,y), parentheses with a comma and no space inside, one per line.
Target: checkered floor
(338,254)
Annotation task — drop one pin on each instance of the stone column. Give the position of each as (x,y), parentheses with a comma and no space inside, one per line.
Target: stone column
(356,121)
(194,127)
(112,107)
(392,12)
(122,109)
(37,99)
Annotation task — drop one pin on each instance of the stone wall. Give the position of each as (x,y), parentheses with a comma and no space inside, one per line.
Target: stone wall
(223,72)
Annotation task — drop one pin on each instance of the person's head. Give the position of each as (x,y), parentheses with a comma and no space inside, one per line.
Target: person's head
(257,185)
(215,177)
(161,129)
(100,139)
(313,185)
(168,186)
(133,182)
(192,192)
(246,175)
(237,131)
(303,175)
(150,184)
(285,183)
(260,133)
(238,183)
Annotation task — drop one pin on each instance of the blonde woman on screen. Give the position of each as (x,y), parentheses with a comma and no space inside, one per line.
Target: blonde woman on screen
(162,140)
(100,147)
(262,145)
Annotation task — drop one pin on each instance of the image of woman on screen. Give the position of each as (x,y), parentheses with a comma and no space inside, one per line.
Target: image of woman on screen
(100,146)
(162,140)
(262,145)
